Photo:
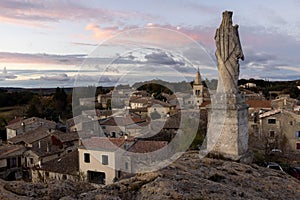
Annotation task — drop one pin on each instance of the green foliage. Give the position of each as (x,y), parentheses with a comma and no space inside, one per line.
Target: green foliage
(60,99)
(155,88)
(158,86)
(14,98)
(35,107)
(198,140)
(286,87)
(211,84)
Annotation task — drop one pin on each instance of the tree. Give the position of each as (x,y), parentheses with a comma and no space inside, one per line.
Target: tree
(34,108)
(60,99)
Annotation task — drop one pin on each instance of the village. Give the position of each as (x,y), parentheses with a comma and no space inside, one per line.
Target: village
(84,149)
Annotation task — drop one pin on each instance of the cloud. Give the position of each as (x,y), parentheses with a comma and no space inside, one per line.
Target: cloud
(8,57)
(101,33)
(57,77)
(258,58)
(35,13)
(6,75)
(161,58)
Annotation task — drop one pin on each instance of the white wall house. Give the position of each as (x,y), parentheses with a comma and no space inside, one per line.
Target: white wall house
(97,159)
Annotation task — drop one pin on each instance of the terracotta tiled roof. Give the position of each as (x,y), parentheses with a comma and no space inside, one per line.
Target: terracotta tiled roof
(173,122)
(46,148)
(157,102)
(104,113)
(140,94)
(80,118)
(66,137)
(122,121)
(31,136)
(143,100)
(205,103)
(68,164)
(259,103)
(6,150)
(31,120)
(102,143)
(18,119)
(142,146)
(143,109)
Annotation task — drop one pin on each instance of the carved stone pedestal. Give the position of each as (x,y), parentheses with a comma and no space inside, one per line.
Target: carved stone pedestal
(227,135)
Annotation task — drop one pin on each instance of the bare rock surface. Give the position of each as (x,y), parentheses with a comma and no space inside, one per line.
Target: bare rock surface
(50,190)
(188,178)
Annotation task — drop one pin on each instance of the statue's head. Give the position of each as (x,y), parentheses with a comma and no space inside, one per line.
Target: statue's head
(227,18)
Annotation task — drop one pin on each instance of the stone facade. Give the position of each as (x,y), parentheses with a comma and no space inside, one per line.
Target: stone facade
(280,129)
(228,127)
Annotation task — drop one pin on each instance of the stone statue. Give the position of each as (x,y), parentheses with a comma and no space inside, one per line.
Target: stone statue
(228,53)
(227,133)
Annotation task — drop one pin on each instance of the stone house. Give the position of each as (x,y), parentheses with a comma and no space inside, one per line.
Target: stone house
(250,95)
(44,145)
(62,168)
(89,102)
(139,102)
(162,108)
(82,122)
(106,160)
(98,159)
(141,112)
(97,114)
(280,129)
(103,99)
(284,102)
(26,125)
(118,126)
(256,107)
(11,161)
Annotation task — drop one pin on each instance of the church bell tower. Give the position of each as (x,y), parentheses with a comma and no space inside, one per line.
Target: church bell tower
(198,89)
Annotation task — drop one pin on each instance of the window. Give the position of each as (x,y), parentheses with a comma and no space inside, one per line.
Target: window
(113,134)
(87,158)
(13,162)
(103,127)
(104,159)
(271,121)
(291,123)
(19,162)
(297,134)
(31,161)
(298,146)
(126,165)
(272,134)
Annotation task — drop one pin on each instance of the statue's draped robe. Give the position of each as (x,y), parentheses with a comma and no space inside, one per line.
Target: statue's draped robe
(228,53)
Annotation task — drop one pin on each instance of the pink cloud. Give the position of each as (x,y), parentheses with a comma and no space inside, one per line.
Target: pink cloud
(154,35)
(101,33)
(36,13)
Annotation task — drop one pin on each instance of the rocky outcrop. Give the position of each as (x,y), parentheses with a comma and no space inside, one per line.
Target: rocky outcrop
(51,190)
(188,178)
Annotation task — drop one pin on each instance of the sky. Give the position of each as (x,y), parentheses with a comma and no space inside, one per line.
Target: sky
(90,42)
